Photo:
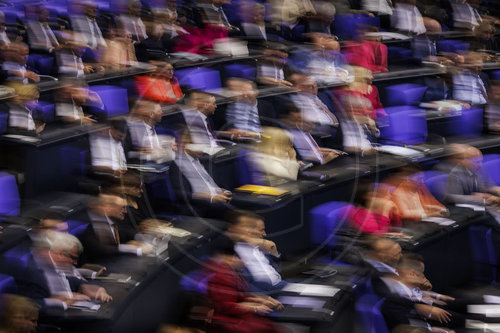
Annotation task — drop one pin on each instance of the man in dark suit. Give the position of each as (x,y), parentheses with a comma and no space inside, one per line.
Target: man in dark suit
(50,277)
(195,189)
(107,235)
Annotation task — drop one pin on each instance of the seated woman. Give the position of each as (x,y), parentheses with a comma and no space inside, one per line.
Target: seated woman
(412,198)
(276,157)
(235,309)
(374,212)
(370,54)
(160,86)
(23,115)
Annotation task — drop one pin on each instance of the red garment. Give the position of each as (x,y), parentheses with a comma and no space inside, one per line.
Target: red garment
(367,54)
(367,222)
(226,288)
(155,89)
(200,40)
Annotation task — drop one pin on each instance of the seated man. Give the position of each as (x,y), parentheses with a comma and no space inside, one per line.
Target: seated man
(50,277)
(15,57)
(243,116)
(107,235)
(466,184)
(146,144)
(247,230)
(470,85)
(312,108)
(71,99)
(406,18)
(40,34)
(270,67)
(106,149)
(307,148)
(382,256)
(193,185)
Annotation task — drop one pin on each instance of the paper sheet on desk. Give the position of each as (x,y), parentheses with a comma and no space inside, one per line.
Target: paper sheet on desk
(86,305)
(400,151)
(311,289)
(302,302)
(488,310)
(476,208)
(439,220)
(483,327)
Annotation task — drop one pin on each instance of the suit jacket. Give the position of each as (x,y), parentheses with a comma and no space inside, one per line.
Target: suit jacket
(462,183)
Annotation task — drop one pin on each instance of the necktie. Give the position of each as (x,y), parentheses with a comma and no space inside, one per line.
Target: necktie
(223,17)
(313,146)
(116,234)
(51,38)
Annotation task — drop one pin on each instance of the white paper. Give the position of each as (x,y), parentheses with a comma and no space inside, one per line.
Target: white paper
(488,310)
(302,302)
(476,208)
(491,299)
(86,305)
(400,151)
(439,220)
(311,289)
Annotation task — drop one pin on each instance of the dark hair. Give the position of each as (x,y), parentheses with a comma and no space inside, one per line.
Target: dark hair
(119,125)
(363,187)
(234,216)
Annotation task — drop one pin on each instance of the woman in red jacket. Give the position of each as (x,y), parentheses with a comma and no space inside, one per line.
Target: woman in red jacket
(235,309)
(161,86)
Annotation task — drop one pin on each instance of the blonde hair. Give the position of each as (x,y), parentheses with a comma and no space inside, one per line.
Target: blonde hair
(275,142)
(10,305)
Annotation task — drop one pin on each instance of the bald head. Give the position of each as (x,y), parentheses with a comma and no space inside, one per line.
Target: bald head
(433,27)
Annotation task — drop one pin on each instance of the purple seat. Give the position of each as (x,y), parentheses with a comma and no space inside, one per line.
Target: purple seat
(7,284)
(76,228)
(3,122)
(346,26)
(436,183)
(10,203)
(115,100)
(495,75)
(491,165)
(405,125)
(452,45)
(371,318)
(241,71)
(396,54)
(483,253)
(248,172)
(403,94)
(74,161)
(199,78)
(469,124)
(17,256)
(326,220)
(47,109)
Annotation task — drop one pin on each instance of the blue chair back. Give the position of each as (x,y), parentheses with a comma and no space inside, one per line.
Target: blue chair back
(452,45)
(469,124)
(405,124)
(3,122)
(483,253)
(199,78)
(48,111)
(17,256)
(248,172)
(7,284)
(491,165)
(74,161)
(76,228)
(10,203)
(436,182)
(115,100)
(403,94)
(196,281)
(326,220)
(371,318)
(241,71)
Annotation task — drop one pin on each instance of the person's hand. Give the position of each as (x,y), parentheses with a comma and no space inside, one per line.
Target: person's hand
(102,296)
(87,120)
(434,313)
(40,128)
(257,308)
(146,248)
(87,69)
(268,246)
(222,197)
(285,83)
(435,329)
(32,76)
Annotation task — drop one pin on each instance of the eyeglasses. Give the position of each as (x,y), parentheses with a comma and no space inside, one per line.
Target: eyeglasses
(70,256)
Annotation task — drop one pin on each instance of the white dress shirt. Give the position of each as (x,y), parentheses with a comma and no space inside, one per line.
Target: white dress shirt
(257,264)
(21,117)
(199,179)
(407,17)
(107,152)
(314,110)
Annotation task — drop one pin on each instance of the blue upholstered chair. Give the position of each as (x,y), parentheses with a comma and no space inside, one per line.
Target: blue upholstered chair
(7,284)
(483,253)
(436,183)
(115,100)
(452,45)
(491,165)
(326,220)
(241,71)
(469,124)
(199,78)
(405,125)
(404,94)
(74,161)
(76,228)
(248,172)
(368,310)
(3,122)
(9,196)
